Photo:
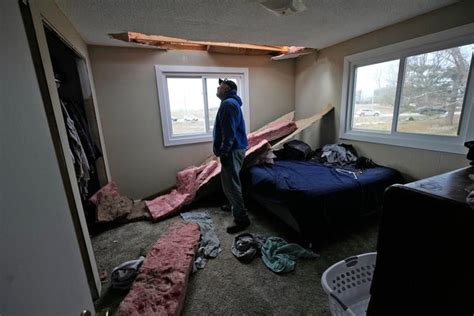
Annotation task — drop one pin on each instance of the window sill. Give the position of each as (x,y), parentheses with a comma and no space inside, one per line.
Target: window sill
(441,144)
(187,140)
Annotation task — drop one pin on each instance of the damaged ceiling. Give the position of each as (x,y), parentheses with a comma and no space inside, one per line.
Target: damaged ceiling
(166,43)
(324,23)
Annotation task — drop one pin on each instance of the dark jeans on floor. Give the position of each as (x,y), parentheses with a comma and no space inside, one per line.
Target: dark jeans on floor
(231,185)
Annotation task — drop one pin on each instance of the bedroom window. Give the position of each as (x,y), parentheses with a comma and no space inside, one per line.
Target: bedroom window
(188,101)
(417,93)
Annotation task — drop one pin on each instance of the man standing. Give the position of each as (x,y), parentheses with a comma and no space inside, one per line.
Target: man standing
(230,143)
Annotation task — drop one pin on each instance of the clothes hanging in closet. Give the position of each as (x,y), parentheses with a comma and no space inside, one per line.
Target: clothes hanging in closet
(80,122)
(84,151)
(81,164)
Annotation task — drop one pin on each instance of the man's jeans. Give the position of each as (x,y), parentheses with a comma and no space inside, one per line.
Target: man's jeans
(231,165)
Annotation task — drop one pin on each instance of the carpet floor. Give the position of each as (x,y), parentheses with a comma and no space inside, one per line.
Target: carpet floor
(226,286)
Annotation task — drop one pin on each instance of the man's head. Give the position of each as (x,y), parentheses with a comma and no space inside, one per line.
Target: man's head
(224,87)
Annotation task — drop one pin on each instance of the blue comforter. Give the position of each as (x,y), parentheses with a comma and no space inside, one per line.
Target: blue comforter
(316,180)
(318,195)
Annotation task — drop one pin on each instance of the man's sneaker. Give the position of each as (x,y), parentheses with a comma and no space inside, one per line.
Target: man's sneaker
(226,208)
(238,227)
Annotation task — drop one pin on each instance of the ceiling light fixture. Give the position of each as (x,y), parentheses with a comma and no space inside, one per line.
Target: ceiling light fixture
(283,7)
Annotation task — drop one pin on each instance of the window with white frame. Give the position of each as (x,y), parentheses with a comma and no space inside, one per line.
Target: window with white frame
(188,101)
(417,93)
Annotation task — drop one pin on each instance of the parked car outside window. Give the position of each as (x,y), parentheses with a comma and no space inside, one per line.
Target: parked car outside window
(431,110)
(368,112)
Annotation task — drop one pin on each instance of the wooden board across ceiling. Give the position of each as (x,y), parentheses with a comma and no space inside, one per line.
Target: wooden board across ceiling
(165,42)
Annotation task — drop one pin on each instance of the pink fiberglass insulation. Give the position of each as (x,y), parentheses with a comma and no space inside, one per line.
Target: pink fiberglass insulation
(261,148)
(160,287)
(166,205)
(186,179)
(257,153)
(271,132)
(187,182)
(110,187)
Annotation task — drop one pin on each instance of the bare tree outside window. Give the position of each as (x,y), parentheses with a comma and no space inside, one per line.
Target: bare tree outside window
(433,91)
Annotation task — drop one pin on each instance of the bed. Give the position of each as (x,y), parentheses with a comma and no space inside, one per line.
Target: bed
(314,198)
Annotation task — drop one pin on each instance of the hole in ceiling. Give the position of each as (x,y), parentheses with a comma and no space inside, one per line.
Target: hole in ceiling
(172,43)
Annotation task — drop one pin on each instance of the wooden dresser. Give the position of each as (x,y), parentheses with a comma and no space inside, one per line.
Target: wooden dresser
(424,250)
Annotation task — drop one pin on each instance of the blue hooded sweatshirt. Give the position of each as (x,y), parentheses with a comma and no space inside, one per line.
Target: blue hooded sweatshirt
(229,126)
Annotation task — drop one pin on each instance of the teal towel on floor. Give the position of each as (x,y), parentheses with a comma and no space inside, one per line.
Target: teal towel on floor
(280,256)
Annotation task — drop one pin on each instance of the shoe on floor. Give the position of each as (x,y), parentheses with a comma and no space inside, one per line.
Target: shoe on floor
(238,227)
(226,208)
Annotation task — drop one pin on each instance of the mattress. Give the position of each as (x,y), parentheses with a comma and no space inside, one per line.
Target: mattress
(320,196)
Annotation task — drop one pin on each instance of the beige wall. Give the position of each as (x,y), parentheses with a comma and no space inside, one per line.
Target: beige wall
(319,81)
(128,103)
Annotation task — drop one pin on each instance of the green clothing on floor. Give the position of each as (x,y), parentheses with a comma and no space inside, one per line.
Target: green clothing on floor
(280,256)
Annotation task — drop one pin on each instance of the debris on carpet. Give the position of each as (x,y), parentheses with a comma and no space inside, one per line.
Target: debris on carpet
(123,275)
(209,246)
(112,206)
(160,287)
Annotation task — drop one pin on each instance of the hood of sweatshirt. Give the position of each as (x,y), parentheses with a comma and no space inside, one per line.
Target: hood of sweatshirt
(232,94)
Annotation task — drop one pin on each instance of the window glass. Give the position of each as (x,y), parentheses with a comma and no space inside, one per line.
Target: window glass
(374,96)
(186,106)
(213,101)
(188,101)
(433,91)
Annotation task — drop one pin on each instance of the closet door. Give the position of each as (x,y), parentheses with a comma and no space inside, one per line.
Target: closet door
(40,12)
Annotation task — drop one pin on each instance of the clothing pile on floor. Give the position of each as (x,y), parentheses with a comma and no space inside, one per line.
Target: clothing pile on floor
(277,254)
(209,246)
(122,276)
(247,246)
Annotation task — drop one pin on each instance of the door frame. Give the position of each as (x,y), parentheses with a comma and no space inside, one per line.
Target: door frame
(60,139)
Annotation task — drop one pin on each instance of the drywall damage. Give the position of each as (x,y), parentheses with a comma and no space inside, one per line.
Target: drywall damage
(167,43)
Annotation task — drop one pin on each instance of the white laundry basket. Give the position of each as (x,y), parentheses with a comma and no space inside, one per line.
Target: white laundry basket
(347,284)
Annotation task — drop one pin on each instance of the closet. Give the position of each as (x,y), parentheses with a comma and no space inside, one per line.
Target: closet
(78,113)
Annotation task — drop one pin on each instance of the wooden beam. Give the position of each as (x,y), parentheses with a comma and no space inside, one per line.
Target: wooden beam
(236,50)
(154,39)
(303,124)
(297,54)
(181,46)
